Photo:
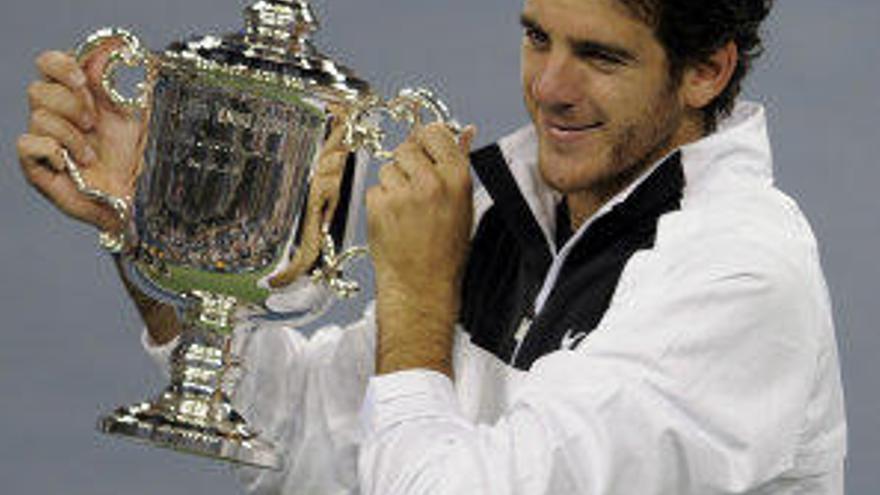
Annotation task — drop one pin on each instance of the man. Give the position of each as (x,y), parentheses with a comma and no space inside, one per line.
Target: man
(636,308)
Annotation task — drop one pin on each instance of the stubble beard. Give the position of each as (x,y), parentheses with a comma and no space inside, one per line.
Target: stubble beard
(639,145)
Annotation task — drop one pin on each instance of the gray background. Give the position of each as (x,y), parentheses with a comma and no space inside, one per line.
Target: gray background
(69,341)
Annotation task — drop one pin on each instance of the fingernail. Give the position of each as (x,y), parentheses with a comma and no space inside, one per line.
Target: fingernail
(88,121)
(79,79)
(89,155)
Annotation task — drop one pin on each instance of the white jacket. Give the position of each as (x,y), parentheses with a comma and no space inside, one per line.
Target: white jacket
(713,371)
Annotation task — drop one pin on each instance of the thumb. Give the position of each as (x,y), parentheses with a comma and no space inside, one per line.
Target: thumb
(466,140)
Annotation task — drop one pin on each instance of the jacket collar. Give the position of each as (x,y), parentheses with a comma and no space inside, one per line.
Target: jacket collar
(739,147)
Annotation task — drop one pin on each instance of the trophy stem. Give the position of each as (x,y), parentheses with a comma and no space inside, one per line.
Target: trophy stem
(194,414)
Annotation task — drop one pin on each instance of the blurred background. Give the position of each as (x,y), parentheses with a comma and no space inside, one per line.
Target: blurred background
(69,344)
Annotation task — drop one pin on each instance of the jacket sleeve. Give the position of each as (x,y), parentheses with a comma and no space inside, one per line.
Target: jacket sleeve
(304,394)
(695,382)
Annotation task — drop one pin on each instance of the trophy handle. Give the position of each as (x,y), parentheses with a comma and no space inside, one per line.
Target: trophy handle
(364,133)
(330,271)
(131,54)
(407,107)
(113,242)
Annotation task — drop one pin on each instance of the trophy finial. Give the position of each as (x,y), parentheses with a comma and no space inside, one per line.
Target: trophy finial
(284,25)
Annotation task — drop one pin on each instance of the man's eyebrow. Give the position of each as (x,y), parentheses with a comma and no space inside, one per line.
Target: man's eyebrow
(585,46)
(529,23)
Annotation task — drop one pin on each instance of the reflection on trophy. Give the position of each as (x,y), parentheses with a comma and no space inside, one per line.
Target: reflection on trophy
(234,127)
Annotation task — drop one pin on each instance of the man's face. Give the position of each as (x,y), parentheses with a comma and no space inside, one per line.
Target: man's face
(597,85)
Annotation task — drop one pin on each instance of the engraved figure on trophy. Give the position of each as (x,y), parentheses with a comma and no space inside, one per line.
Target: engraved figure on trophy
(233,128)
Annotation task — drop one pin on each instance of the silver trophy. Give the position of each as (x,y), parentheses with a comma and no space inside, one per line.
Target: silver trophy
(234,126)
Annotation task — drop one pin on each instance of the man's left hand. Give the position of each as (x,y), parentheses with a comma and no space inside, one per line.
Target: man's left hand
(419,221)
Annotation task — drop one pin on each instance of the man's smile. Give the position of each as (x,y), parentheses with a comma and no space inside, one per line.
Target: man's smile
(564,131)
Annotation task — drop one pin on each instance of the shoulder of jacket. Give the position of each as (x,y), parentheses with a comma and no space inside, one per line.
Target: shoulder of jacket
(756,230)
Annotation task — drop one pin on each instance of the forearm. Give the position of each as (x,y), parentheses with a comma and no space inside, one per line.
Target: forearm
(414,335)
(161,319)
(419,222)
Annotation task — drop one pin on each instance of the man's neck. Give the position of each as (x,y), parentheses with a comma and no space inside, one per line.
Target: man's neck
(580,208)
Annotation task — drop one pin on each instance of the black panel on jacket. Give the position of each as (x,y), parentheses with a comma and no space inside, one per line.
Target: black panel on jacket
(510,258)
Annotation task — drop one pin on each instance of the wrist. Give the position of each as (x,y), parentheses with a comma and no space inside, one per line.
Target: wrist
(161,320)
(415,331)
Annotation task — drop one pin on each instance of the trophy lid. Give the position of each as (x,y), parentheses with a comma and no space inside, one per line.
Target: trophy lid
(275,47)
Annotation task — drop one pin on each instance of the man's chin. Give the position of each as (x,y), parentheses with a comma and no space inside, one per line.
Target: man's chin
(565,175)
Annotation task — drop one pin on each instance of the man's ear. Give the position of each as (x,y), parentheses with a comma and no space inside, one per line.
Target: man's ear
(703,81)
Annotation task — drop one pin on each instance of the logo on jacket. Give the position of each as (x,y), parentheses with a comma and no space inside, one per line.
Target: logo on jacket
(572,338)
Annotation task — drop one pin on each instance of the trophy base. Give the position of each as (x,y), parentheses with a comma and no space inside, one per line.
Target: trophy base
(146,423)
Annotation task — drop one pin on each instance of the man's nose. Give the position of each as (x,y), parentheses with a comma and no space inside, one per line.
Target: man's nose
(558,85)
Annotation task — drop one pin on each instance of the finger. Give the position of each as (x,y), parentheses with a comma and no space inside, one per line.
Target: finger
(391,177)
(56,186)
(44,123)
(336,110)
(58,99)
(415,164)
(329,208)
(335,134)
(466,138)
(331,164)
(62,68)
(448,150)
(39,152)
(288,275)
(336,139)
(310,239)
(328,177)
(94,63)
(442,144)
(319,199)
(306,253)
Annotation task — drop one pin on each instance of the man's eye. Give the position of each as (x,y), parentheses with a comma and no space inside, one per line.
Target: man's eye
(536,37)
(601,59)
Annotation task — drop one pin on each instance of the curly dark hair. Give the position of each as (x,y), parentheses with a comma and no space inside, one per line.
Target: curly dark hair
(692,30)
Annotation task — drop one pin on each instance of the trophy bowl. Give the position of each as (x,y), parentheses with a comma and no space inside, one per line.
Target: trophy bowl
(234,126)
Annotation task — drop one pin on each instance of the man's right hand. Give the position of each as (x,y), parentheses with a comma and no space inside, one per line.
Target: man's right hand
(69,110)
